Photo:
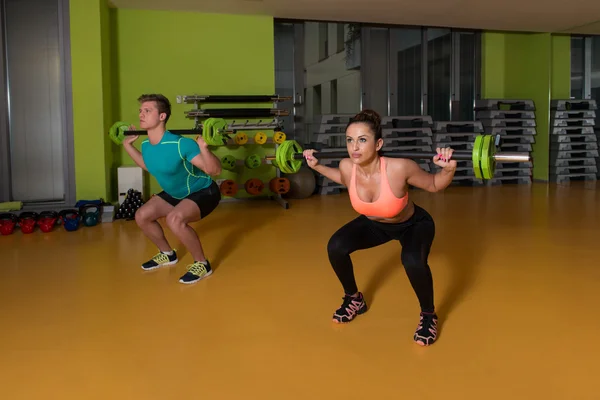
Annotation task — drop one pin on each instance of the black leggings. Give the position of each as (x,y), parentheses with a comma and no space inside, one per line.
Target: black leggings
(415,235)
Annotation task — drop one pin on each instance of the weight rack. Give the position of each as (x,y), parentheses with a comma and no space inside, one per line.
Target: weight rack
(460,135)
(514,121)
(573,142)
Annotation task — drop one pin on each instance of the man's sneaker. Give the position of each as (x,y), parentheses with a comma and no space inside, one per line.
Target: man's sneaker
(426,332)
(351,307)
(160,260)
(196,271)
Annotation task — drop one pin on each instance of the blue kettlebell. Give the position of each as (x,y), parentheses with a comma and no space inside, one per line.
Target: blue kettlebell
(90,214)
(70,219)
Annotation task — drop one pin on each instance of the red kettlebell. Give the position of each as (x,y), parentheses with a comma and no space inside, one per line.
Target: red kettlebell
(47,220)
(8,221)
(28,221)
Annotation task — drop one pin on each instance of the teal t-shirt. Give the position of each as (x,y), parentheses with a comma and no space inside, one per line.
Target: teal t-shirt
(169,161)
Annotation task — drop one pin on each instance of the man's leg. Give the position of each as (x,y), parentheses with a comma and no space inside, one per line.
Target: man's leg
(146,217)
(178,219)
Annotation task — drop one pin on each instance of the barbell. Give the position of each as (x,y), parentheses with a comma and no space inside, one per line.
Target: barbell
(288,157)
(214,132)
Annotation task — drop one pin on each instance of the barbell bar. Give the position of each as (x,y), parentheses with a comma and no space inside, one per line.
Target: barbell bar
(214,131)
(288,157)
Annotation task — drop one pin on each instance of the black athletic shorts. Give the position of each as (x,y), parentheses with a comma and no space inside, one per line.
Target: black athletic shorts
(207,199)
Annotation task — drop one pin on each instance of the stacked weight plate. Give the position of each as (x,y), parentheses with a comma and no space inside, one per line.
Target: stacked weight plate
(514,121)
(460,135)
(330,137)
(573,142)
(400,133)
(408,133)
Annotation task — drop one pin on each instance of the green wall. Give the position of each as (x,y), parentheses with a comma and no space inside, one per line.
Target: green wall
(90,81)
(116,57)
(532,66)
(191,53)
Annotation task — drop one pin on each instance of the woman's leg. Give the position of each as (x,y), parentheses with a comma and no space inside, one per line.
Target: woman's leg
(416,244)
(357,234)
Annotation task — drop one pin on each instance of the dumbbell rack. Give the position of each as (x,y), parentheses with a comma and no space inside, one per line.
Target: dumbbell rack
(514,121)
(460,135)
(400,133)
(573,143)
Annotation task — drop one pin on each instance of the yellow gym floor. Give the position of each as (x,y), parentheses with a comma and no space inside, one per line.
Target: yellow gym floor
(517,279)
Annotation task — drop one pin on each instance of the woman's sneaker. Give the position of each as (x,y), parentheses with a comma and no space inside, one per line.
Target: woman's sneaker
(160,260)
(351,307)
(426,333)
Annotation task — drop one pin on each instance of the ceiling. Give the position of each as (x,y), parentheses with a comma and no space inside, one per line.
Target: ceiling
(572,16)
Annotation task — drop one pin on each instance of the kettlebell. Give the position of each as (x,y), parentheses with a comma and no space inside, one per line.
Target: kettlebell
(70,219)
(8,221)
(28,221)
(47,220)
(89,218)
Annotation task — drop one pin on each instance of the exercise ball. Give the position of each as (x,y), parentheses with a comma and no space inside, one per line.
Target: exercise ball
(302,183)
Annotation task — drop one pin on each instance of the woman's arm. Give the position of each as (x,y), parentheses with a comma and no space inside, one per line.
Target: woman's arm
(335,174)
(417,177)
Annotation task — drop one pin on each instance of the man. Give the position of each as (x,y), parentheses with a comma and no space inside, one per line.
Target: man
(183,168)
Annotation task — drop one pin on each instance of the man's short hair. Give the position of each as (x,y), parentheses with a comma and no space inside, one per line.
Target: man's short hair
(162,103)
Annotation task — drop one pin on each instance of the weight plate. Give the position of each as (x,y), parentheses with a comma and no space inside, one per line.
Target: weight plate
(476,157)
(228,162)
(241,138)
(285,157)
(487,159)
(260,138)
(279,137)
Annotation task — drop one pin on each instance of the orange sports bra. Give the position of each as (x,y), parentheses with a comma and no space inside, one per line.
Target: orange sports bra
(387,204)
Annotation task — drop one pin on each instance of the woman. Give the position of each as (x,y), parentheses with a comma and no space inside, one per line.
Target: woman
(378,189)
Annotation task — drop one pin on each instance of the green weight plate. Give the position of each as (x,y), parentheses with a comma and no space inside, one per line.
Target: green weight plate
(487,157)
(284,157)
(117,132)
(477,157)
(228,162)
(253,161)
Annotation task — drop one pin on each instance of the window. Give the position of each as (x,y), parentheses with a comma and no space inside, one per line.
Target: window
(427,71)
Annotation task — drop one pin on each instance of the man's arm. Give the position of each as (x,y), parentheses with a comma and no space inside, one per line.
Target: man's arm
(135,155)
(207,162)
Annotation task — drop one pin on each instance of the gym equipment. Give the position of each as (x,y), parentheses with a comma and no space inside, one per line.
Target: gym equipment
(279,185)
(254,186)
(228,188)
(262,98)
(228,162)
(214,132)
(288,157)
(47,220)
(70,219)
(237,113)
(133,201)
(8,221)
(90,214)
(279,137)
(260,138)
(302,184)
(240,138)
(28,221)
(253,161)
